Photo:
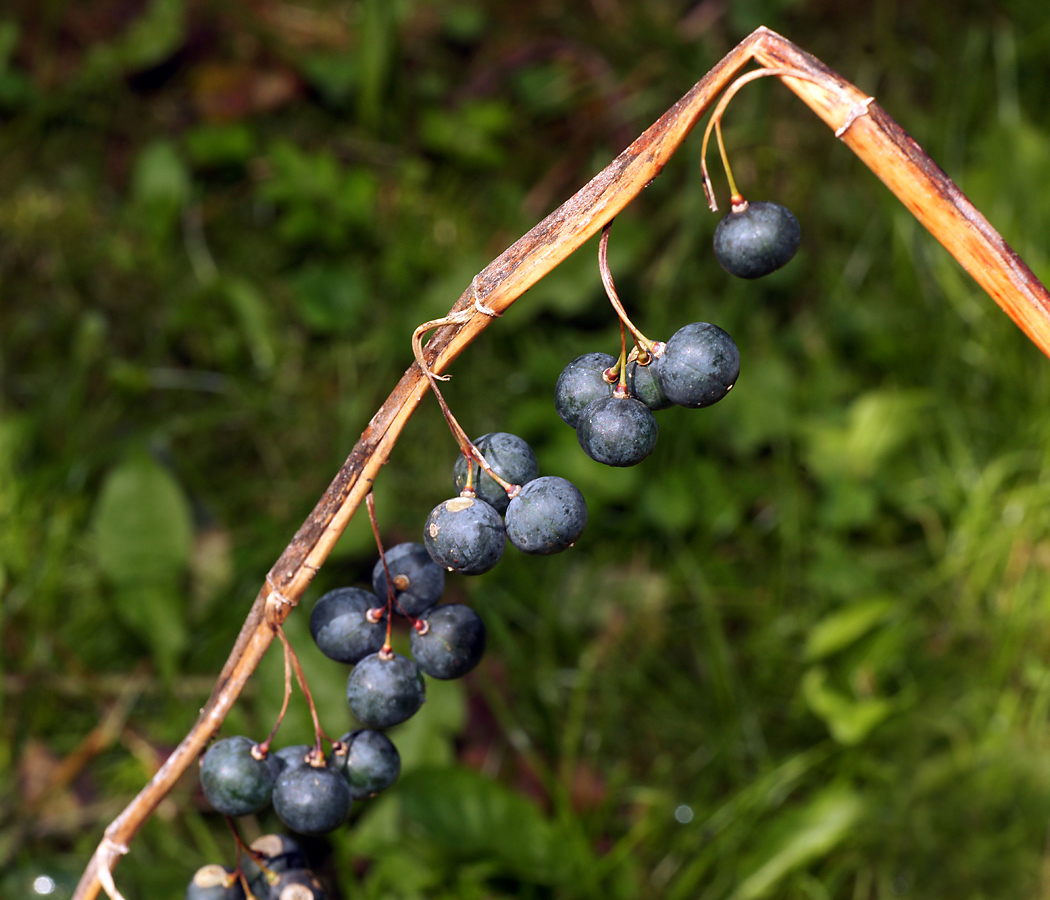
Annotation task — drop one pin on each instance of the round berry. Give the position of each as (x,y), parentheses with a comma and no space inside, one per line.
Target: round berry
(547,516)
(419,582)
(509,456)
(581,382)
(617,431)
(465,535)
(452,642)
(234,781)
(312,799)
(385,692)
(643,386)
(757,240)
(298,884)
(370,762)
(294,755)
(214,882)
(699,365)
(340,626)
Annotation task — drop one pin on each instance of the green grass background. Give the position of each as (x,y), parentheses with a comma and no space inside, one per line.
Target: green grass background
(800,652)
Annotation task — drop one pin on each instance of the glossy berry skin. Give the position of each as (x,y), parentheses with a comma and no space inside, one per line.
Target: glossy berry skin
(385,692)
(617,431)
(465,535)
(370,764)
(699,365)
(509,456)
(213,882)
(757,240)
(453,642)
(642,385)
(234,781)
(312,799)
(423,579)
(580,383)
(547,516)
(298,884)
(340,628)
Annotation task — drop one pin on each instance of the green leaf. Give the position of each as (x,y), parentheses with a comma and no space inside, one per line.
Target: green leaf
(848,720)
(148,41)
(840,629)
(142,525)
(802,837)
(473,817)
(878,424)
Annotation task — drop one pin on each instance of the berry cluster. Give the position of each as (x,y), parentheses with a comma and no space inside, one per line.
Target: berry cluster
(611,403)
(500,497)
(273,868)
(507,500)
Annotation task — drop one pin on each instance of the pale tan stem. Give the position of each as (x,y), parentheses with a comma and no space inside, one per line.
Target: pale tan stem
(864,127)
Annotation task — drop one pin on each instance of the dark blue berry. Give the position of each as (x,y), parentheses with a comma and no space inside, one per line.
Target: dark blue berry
(509,456)
(312,799)
(234,781)
(643,386)
(699,365)
(617,431)
(418,581)
(214,882)
(385,692)
(452,642)
(465,535)
(370,762)
(580,383)
(547,516)
(340,627)
(758,240)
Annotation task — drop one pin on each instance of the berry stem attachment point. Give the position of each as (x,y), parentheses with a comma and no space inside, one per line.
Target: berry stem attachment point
(644,344)
(466,445)
(715,122)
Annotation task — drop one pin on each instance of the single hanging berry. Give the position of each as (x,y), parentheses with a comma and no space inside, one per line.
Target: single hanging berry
(581,382)
(757,240)
(465,535)
(547,516)
(385,691)
(312,799)
(340,626)
(699,365)
(234,780)
(451,643)
(617,431)
(418,581)
(369,761)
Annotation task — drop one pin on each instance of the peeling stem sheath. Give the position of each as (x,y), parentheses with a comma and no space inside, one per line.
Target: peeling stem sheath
(862,125)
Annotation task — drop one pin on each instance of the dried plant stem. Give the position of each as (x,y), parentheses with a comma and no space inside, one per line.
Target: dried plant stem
(641,341)
(861,124)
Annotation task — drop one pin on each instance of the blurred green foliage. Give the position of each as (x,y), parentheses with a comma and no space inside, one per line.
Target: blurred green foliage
(801,652)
